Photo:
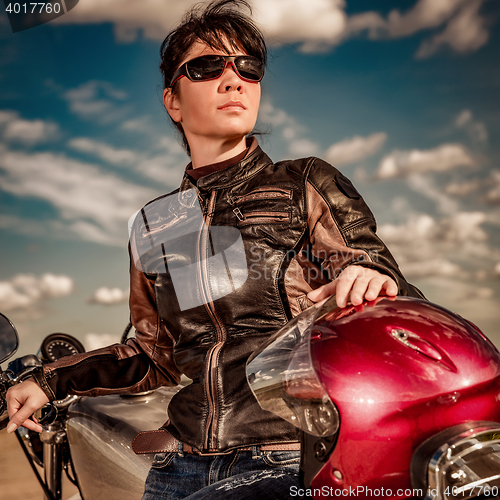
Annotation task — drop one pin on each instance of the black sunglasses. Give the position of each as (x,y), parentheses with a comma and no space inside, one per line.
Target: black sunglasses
(200,69)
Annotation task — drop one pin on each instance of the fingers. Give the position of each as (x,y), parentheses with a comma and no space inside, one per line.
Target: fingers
(347,282)
(323,291)
(22,401)
(391,288)
(364,284)
(356,283)
(22,418)
(19,414)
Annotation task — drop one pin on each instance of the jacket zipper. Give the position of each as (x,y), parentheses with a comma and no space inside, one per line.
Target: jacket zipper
(213,353)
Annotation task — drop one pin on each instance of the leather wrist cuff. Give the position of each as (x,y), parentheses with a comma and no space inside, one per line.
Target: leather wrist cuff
(40,379)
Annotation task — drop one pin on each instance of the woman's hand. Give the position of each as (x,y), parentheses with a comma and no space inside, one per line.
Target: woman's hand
(22,401)
(360,283)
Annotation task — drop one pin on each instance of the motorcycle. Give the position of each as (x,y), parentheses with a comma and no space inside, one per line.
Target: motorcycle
(396,398)
(89,439)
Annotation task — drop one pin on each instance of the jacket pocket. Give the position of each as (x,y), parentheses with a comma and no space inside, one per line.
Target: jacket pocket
(261,217)
(262,193)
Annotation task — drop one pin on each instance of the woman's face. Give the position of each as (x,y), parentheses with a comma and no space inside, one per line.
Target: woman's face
(222,109)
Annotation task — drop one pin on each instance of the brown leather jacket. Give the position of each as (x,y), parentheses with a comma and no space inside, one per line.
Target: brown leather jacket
(299,223)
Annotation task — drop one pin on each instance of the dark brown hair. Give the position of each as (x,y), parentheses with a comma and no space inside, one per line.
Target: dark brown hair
(221,26)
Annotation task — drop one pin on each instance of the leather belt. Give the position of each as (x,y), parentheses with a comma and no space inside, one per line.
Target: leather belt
(186,448)
(161,441)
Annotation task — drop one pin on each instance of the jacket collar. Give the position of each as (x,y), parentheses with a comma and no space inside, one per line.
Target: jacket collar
(230,176)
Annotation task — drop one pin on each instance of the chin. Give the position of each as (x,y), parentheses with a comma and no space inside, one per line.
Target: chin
(239,130)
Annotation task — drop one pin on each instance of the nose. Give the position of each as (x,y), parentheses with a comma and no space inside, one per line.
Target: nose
(230,80)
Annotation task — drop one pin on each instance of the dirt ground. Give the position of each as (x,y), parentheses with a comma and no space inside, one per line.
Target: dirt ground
(17,480)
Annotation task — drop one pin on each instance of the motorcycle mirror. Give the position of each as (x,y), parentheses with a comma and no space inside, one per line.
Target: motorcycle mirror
(9,340)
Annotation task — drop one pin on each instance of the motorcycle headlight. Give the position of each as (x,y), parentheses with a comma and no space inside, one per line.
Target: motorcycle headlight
(460,462)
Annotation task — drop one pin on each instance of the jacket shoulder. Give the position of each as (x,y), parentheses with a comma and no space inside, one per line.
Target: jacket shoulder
(161,197)
(333,186)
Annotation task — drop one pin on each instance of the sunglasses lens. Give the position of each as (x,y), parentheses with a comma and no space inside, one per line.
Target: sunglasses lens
(211,67)
(205,67)
(250,68)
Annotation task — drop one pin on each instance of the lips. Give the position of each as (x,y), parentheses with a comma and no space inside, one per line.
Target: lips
(232,105)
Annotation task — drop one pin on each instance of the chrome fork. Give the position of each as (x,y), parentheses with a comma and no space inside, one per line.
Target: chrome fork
(53,437)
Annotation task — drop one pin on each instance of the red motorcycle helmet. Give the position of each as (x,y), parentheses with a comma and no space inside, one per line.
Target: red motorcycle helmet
(397,398)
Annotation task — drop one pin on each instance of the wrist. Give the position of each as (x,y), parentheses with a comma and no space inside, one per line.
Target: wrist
(40,379)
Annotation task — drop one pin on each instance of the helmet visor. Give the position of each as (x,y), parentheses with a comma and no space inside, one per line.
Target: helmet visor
(282,376)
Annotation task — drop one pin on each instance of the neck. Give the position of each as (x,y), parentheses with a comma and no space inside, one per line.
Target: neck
(209,152)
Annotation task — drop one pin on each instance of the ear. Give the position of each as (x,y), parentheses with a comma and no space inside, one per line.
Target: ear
(172,105)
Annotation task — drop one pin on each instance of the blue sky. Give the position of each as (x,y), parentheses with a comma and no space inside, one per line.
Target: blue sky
(403,97)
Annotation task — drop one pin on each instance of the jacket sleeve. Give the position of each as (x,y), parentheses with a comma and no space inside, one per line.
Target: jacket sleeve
(143,363)
(342,229)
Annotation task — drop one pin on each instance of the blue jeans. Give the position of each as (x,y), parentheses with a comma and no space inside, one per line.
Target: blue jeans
(241,475)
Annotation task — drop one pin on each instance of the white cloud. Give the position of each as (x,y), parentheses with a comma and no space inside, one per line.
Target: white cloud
(426,186)
(497,269)
(22,226)
(463,188)
(95,100)
(93,205)
(6,116)
(466,32)
(442,158)
(169,145)
(109,296)
(472,301)
(442,269)
(432,268)
(154,18)
(493,195)
(457,230)
(28,132)
(160,141)
(165,166)
(316,24)
(313,23)
(274,116)
(94,341)
(164,169)
(424,14)
(459,292)
(426,246)
(104,151)
(289,129)
(26,290)
(302,147)
(463,118)
(476,130)
(136,124)
(355,149)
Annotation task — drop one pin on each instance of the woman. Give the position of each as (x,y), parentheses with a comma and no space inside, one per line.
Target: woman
(239,249)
